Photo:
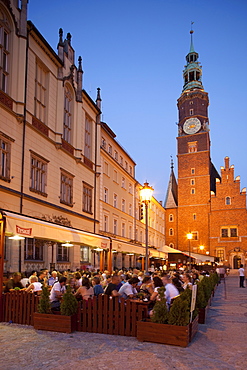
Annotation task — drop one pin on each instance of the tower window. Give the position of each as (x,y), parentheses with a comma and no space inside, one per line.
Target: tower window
(171,219)
(194,216)
(192,171)
(191,112)
(192,182)
(193,191)
(171,232)
(191,102)
(192,147)
(228,201)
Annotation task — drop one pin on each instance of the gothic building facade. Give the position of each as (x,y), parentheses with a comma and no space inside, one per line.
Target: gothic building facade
(200,203)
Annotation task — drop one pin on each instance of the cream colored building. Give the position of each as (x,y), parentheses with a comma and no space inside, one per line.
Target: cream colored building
(49,132)
(121,214)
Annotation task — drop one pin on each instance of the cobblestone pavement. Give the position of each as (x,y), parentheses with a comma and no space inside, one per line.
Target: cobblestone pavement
(220,344)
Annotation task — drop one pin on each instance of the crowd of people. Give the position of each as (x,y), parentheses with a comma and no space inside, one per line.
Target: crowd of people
(127,284)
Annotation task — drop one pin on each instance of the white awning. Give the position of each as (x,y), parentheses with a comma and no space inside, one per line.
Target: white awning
(34,228)
(120,246)
(201,257)
(167,249)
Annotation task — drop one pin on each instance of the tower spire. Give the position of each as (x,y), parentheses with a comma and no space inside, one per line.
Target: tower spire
(192,50)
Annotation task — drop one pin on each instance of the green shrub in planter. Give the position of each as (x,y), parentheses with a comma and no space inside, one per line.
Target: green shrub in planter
(201,301)
(69,303)
(160,311)
(179,313)
(44,305)
(206,287)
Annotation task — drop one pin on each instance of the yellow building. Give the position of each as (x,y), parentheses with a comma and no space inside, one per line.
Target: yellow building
(49,133)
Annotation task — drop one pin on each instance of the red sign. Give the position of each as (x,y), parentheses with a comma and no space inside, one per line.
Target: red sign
(103,245)
(23,231)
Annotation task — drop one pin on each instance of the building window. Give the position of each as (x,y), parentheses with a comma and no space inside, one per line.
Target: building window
(66,191)
(141,236)
(88,138)
(193,191)
(84,253)
(106,168)
(105,195)
(115,200)
(126,166)
(38,174)
(4,159)
(67,120)
(105,223)
(115,175)
(121,160)
(115,155)
(123,182)
(228,201)
(40,92)
(191,102)
(130,232)
(194,235)
(191,112)
(192,182)
(87,198)
(224,233)
(123,205)
(110,149)
(192,171)
(194,216)
(171,245)
(130,188)
(130,209)
(62,253)
(171,218)
(33,249)
(229,232)
(123,229)
(131,170)
(4,58)
(103,142)
(115,231)
(171,232)
(220,254)
(192,147)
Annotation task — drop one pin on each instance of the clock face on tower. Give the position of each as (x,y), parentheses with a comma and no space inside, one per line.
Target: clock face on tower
(192,125)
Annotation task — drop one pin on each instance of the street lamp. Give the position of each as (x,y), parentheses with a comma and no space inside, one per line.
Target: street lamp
(189,237)
(201,247)
(146,195)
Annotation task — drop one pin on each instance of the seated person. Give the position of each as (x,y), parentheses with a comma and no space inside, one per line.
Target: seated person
(146,286)
(35,286)
(112,287)
(171,290)
(157,282)
(86,290)
(97,287)
(14,282)
(53,278)
(57,293)
(128,290)
(187,281)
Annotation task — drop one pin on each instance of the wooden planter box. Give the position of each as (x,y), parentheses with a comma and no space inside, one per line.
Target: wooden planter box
(148,331)
(51,322)
(202,315)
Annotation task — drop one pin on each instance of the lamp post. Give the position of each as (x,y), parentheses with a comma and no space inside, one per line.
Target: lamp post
(146,195)
(189,237)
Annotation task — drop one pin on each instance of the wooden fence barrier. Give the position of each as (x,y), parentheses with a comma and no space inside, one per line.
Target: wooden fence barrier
(108,315)
(104,314)
(19,307)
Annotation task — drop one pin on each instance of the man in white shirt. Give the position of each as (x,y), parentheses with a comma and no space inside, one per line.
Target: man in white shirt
(171,291)
(128,290)
(57,292)
(241,276)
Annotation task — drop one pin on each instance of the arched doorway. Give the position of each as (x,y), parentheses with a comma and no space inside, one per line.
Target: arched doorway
(236,262)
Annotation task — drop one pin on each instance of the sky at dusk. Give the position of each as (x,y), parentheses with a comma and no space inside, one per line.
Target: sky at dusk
(134,50)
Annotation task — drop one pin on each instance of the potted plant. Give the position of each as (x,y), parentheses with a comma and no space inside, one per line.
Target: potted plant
(169,327)
(64,321)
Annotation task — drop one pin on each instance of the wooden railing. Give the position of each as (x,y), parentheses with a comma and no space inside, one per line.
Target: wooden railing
(100,315)
(19,307)
(110,316)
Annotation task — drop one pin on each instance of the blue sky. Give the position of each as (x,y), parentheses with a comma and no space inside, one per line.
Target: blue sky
(134,50)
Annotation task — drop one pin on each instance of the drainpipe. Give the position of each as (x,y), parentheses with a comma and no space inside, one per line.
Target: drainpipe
(98,119)
(24,125)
